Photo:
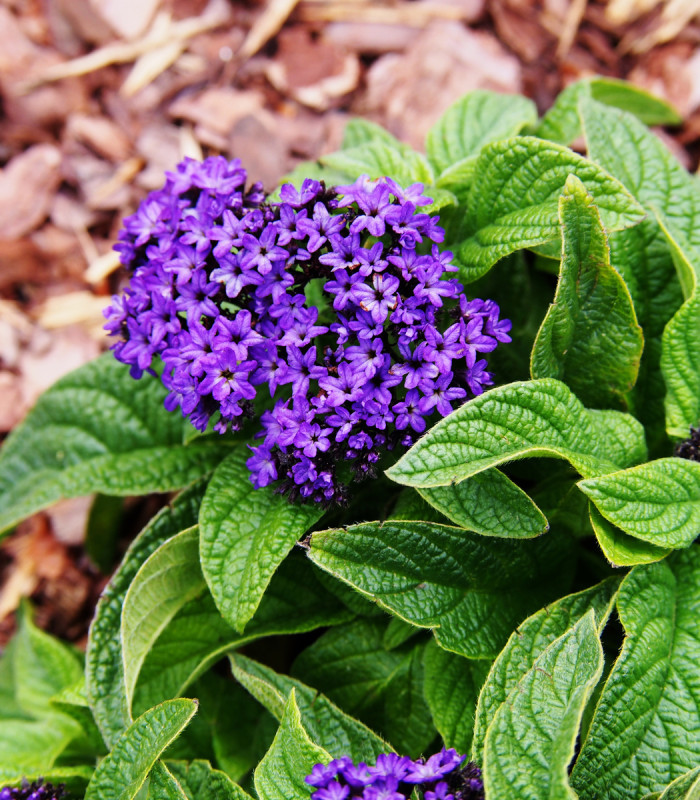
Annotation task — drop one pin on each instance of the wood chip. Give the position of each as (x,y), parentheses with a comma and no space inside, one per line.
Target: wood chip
(273,17)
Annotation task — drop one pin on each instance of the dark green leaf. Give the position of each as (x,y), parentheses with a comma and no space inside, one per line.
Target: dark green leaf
(197,780)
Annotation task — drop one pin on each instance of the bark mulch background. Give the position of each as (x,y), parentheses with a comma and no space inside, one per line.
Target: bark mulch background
(100,97)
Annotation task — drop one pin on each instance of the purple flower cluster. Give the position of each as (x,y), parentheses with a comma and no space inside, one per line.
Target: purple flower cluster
(38,790)
(336,299)
(395,777)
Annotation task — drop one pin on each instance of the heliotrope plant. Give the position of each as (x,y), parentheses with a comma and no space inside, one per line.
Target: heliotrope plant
(513,577)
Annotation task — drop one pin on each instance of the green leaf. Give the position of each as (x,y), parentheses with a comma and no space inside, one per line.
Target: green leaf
(658,502)
(513,202)
(359,132)
(378,159)
(473,591)
(687,787)
(532,736)
(295,602)
(477,119)
(327,725)
(162,784)
(452,685)
(562,123)
(43,666)
(520,420)
(397,632)
(384,688)
(640,738)
(489,503)
(621,549)
(104,527)
(197,780)
(590,338)
(120,775)
(73,778)
(33,747)
(292,756)
(104,675)
(98,430)
(528,643)
(245,533)
(167,580)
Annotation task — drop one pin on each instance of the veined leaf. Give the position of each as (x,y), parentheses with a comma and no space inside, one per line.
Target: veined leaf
(475,120)
(687,787)
(590,338)
(359,132)
(489,503)
(120,775)
(531,739)
(520,420)
(291,757)
(33,746)
(327,725)
(514,198)
(639,739)
(658,502)
(98,430)
(104,675)
(168,579)
(378,159)
(621,549)
(471,590)
(528,643)
(197,780)
(245,533)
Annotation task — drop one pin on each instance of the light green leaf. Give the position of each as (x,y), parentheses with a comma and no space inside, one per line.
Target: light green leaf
(562,123)
(473,591)
(590,338)
(513,202)
(491,504)
(528,643)
(520,420)
(98,430)
(245,533)
(640,738)
(292,756)
(475,120)
(104,675)
(532,736)
(327,725)
(378,159)
(621,549)
(687,787)
(120,775)
(658,502)
(33,747)
(384,688)
(198,636)
(73,778)
(162,784)
(168,579)
(452,685)
(43,666)
(359,132)
(197,780)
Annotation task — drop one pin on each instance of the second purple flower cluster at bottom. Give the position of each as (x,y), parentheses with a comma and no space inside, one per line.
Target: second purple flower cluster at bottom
(394,777)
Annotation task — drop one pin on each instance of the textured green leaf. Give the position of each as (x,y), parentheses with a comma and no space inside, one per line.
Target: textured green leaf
(473,591)
(514,197)
(532,736)
(198,636)
(359,132)
(104,675)
(475,120)
(120,775)
(384,688)
(378,159)
(562,123)
(327,725)
(98,430)
(687,787)
(489,503)
(245,533)
(197,780)
(43,666)
(641,736)
(452,685)
(528,643)
(621,549)
(658,502)
(162,784)
(520,420)
(590,338)
(168,579)
(292,756)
